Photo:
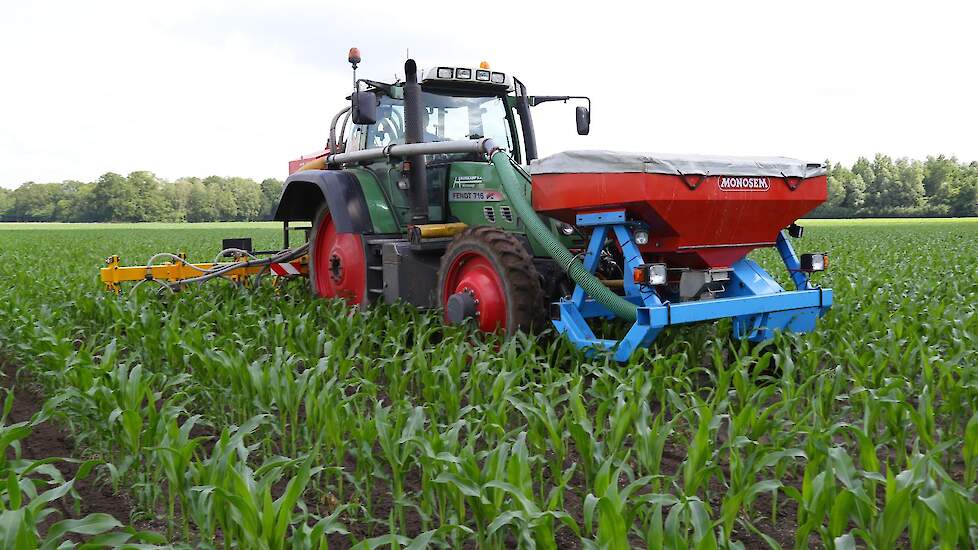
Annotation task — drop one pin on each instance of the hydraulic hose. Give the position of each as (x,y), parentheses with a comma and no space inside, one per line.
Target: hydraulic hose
(567,261)
(220,269)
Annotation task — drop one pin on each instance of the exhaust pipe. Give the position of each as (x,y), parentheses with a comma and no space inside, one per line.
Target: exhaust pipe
(417,175)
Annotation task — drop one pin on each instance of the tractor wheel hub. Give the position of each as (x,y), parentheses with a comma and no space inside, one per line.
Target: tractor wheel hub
(460,307)
(336,268)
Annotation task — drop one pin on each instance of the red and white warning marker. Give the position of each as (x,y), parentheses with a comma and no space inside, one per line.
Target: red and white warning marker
(290,269)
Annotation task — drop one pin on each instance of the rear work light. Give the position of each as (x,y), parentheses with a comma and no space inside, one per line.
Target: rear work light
(641,237)
(810,263)
(651,274)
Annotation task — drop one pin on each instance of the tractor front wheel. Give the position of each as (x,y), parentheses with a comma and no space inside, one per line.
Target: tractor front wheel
(337,264)
(487,275)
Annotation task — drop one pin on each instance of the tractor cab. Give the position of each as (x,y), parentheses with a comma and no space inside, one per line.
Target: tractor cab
(452,111)
(455,106)
(465,103)
(457,103)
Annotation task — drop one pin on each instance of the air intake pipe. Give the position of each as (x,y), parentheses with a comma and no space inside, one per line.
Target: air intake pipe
(417,175)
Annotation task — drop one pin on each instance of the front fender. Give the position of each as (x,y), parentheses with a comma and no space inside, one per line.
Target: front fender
(304,192)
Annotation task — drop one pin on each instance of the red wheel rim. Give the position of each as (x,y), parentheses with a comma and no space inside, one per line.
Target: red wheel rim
(473,273)
(340,265)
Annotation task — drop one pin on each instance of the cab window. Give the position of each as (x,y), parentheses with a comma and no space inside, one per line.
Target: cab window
(445,118)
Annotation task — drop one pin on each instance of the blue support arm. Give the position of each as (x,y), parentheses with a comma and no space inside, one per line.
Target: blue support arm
(791,262)
(758,305)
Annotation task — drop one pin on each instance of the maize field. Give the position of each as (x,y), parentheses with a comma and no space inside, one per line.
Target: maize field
(262,418)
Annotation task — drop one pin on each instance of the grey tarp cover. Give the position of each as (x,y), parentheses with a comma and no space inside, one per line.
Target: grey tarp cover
(595,162)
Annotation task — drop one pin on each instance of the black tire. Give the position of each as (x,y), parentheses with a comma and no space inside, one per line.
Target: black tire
(524,300)
(317,221)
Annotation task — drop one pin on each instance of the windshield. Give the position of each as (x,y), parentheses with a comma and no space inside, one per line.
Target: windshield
(445,118)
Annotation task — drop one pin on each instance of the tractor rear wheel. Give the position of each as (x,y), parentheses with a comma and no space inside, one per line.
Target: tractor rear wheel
(337,263)
(487,275)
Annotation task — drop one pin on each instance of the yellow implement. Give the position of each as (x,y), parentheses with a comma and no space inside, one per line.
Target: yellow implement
(114,273)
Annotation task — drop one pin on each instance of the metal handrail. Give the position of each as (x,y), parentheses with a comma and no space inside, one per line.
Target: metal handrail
(482,145)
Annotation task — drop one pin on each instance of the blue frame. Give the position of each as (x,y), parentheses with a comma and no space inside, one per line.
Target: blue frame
(758,305)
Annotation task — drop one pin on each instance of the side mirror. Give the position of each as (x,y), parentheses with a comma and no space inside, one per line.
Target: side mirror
(583,121)
(365,108)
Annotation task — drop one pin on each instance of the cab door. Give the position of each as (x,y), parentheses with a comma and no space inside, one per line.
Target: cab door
(437,192)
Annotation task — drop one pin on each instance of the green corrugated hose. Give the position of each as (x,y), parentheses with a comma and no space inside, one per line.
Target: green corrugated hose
(591,284)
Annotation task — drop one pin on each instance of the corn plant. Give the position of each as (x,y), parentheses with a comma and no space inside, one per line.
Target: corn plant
(258,416)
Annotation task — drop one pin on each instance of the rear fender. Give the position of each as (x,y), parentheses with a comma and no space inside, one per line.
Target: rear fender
(304,192)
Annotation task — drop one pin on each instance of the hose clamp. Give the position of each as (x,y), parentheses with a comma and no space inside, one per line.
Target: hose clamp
(387,152)
(489,147)
(571,261)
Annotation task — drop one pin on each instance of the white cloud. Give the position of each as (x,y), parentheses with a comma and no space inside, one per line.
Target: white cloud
(195,88)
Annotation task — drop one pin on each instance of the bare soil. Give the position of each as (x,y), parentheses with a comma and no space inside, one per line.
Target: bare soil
(50,440)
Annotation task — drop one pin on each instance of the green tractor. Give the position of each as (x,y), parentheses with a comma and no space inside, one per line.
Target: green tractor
(422,196)
(406,203)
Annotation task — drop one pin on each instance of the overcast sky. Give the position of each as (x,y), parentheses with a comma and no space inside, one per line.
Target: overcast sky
(239,88)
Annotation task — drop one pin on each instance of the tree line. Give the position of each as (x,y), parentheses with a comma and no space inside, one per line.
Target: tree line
(142,197)
(937,186)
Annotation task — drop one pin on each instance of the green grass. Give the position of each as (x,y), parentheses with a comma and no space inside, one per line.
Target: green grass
(150,225)
(868,222)
(262,418)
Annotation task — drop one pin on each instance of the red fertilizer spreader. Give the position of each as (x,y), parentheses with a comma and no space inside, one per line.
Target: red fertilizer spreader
(684,226)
